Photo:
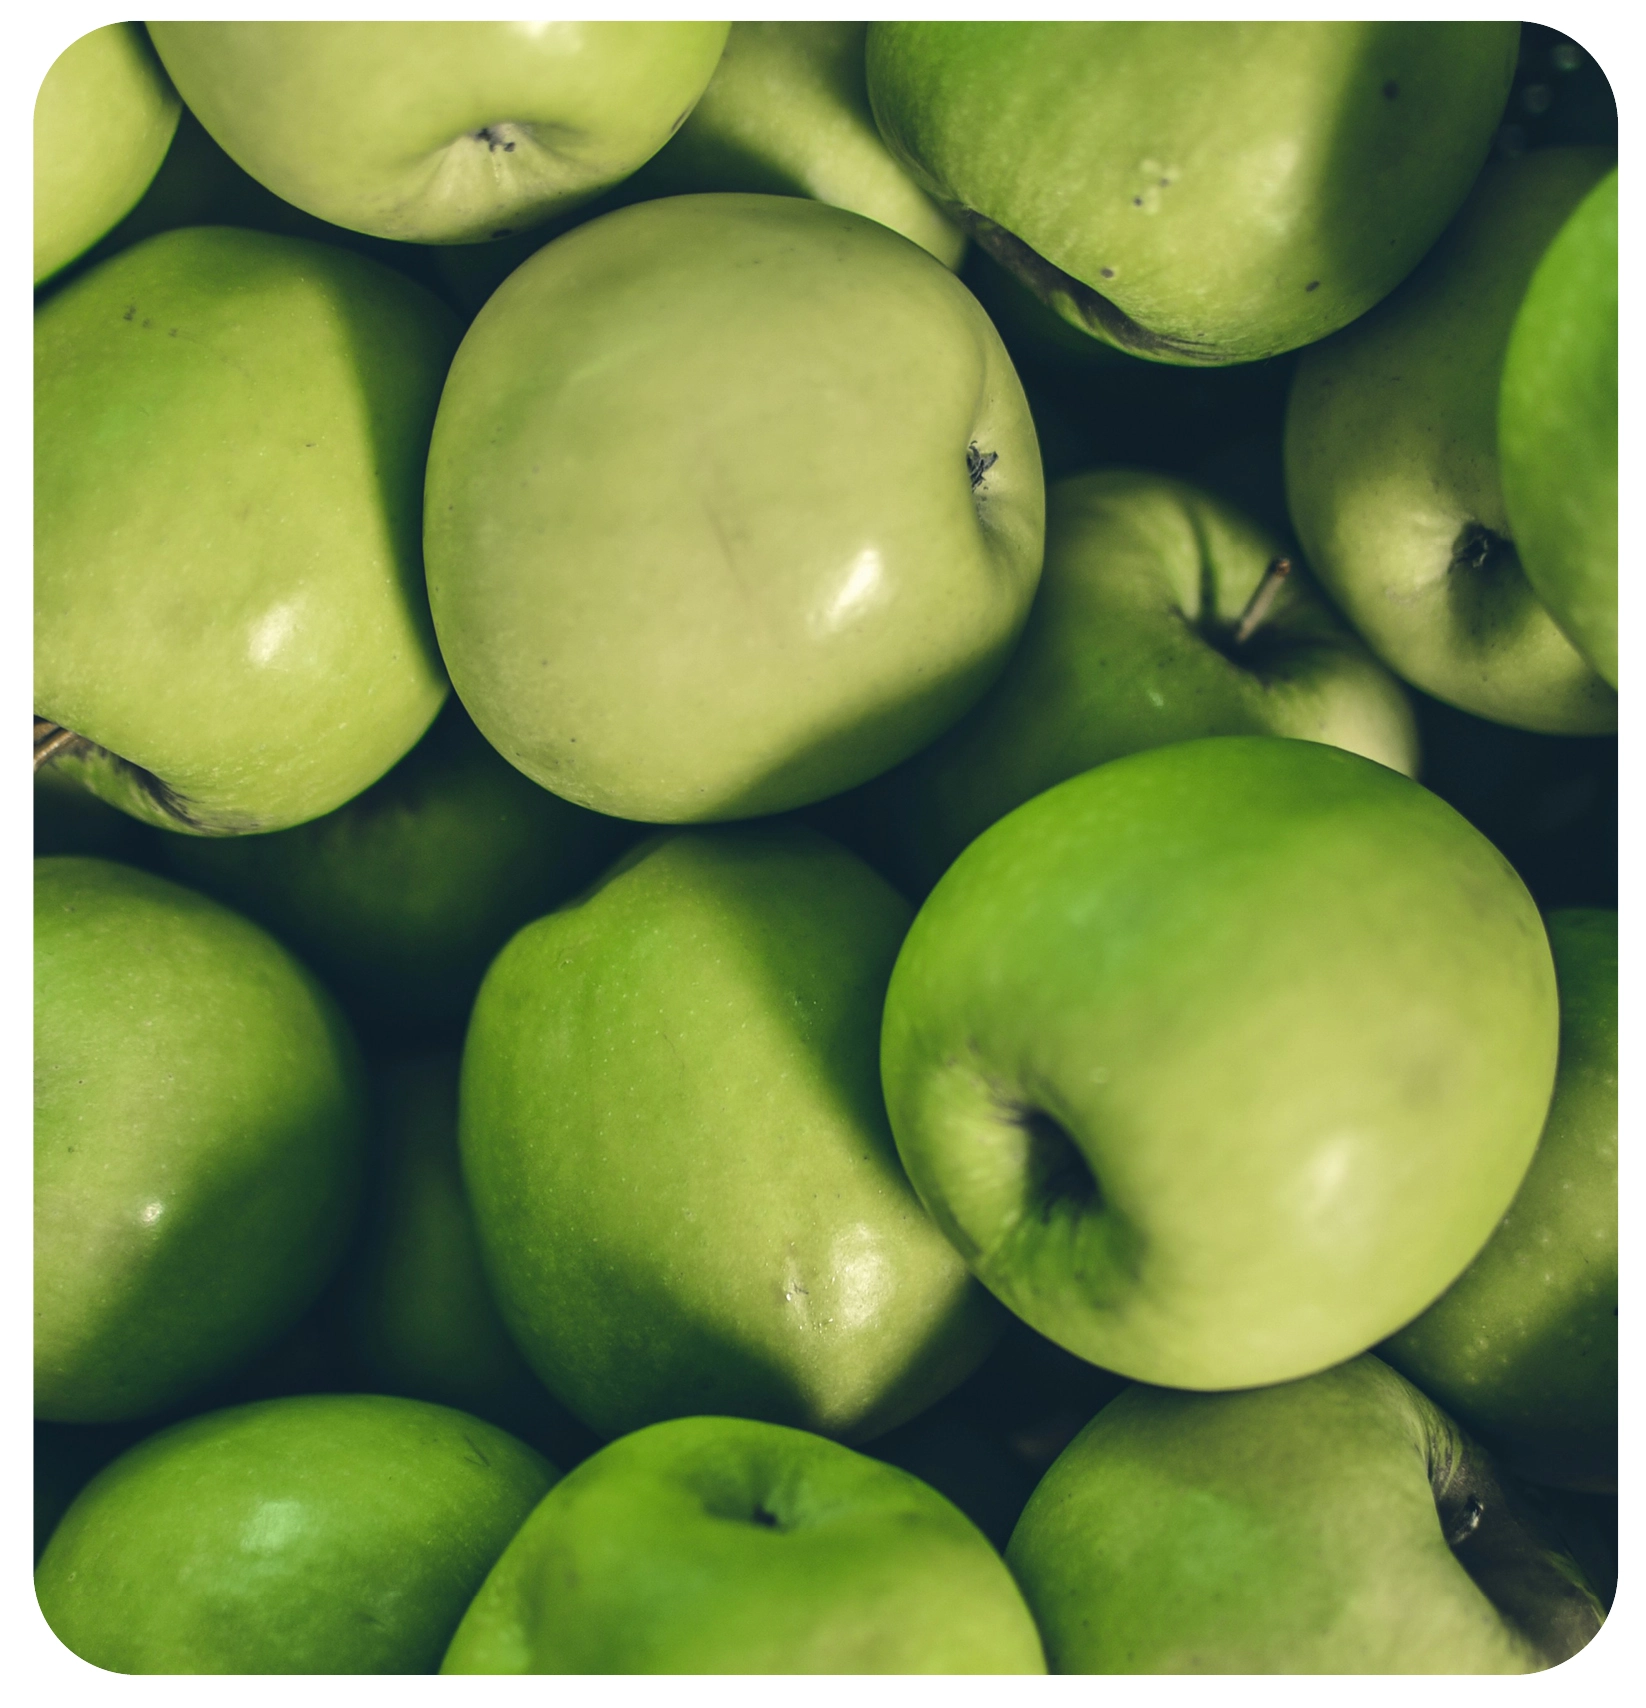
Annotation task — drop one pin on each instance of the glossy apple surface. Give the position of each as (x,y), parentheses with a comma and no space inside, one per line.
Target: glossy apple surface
(103,120)
(674,1142)
(720,1545)
(1557,428)
(1522,1348)
(1340,1524)
(198,1140)
(336,1533)
(230,431)
(733,501)
(439,132)
(1392,470)
(1220,1061)
(1196,192)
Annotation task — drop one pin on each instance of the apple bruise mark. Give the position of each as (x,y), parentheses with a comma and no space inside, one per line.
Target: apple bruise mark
(53,742)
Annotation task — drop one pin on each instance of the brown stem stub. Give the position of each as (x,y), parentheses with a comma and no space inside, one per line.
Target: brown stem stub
(1262,600)
(49,740)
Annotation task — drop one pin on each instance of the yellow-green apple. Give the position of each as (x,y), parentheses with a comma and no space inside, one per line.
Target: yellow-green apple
(1522,1348)
(440,132)
(326,1533)
(1196,192)
(733,501)
(103,121)
(231,632)
(1392,471)
(675,1147)
(1557,428)
(1339,1524)
(720,1545)
(198,1137)
(1219,1062)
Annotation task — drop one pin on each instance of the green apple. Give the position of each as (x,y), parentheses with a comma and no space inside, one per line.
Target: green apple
(401,898)
(673,1139)
(103,121)
(1340,1524)
(1522,1348)
(1219,1062)
(440,132)
(720,1545)
(733,501)
(321,1534)
(1392,466)
(1196,192)
(1144,630)
(1557,428)
(198,1140)
(231,633)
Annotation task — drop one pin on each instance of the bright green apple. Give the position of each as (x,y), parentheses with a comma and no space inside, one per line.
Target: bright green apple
(673,1139)
(1135,639)
(401,898)
(719,1545)
(1196,192)
(103,121)
(1340,1524)
(1557,428)
(1392,468)
(198,1139)
(440,132)
(1220,1061)
(321,1534)
(231,632)
(1522,1348)
(733,501)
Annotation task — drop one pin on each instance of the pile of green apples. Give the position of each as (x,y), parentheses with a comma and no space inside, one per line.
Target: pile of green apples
(826,823)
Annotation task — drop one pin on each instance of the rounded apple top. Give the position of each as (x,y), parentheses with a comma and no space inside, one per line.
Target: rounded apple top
(328,1533)
(1219,1062)
(733,501)
(440,132)
(716,1544)
(1196,192)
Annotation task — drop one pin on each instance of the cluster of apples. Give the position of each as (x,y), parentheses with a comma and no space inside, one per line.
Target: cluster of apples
(904,1077)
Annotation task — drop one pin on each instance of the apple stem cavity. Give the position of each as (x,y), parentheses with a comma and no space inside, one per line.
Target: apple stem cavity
(1262,600)
(978,463)
(1058,1171)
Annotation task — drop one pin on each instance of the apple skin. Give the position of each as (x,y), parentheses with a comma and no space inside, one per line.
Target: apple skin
(440,132)
(336,1533)
(720,1545)
(712,526)
(1197,193)
(1219,1062)
(1129,645)
(1392,468)
(199,1140)
(1522,1348)
(400,898)
(1557,428)
(103,121)
(230,431)
(1340,1524)
(673,1139)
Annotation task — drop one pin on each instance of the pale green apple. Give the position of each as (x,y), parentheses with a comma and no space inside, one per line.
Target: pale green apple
(198,1140)
(103,121)
(673,1139)
(1557,428)
(230,628)
(335,1533)
(440,132)
(1196,192)
(1522,1348)
(1220,1061)
(1392,466)
(1340,1524)
(733,501)
(719,1545)
(1135,639)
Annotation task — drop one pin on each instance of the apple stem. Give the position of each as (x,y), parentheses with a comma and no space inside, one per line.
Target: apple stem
(1262,601)
(49,740)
